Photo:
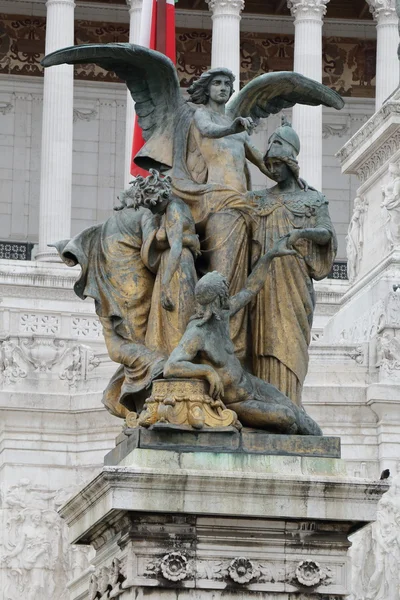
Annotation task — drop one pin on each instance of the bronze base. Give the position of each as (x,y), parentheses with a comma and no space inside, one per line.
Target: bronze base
(183,404)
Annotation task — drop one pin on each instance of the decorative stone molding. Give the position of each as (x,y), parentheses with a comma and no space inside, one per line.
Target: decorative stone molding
(84,115)
(242,570)
(309,574)
(5,107)
(41,324)
(336,129)
(380,157)
(37,356)
(391,108)
(308,9)
(174,566)
(226,7)
(84,327)
(385,314)
(383,10)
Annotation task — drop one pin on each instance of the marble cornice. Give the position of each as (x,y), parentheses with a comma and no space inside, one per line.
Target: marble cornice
(364,135)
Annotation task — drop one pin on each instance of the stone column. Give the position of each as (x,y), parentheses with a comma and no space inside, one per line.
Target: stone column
(226,35)
(307,120)
(387,62)
(56,159)
(135,10)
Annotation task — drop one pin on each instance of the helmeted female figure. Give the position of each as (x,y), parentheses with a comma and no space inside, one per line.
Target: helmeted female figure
(282,313)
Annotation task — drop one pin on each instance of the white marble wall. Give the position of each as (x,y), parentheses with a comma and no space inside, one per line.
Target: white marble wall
(98,155)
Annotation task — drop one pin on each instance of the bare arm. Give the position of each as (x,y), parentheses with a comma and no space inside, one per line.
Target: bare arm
(179,363)
(256,157)
(210,129)
(321,234)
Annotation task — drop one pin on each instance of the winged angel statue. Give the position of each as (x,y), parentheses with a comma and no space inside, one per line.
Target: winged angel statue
(203,143)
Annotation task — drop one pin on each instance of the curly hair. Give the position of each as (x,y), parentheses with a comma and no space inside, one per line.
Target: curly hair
(198,91)
(145,191)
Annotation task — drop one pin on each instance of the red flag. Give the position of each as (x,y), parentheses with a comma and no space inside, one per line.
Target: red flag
(157,32)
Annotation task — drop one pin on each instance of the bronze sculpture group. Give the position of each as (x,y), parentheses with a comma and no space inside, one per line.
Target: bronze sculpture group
(194,276)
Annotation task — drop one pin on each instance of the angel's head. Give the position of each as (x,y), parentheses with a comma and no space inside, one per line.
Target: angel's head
(216,84)
(283,150)
(150,192)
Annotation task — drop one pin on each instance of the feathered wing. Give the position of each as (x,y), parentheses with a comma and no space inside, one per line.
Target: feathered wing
(153,82)
(270,93)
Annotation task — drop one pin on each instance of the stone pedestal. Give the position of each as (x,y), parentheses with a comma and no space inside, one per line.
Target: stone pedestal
(204,525)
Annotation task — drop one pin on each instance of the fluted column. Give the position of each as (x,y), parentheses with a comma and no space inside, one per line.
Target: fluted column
(307,120)
(225,50)
(56,158)
(387,62)
(135,10)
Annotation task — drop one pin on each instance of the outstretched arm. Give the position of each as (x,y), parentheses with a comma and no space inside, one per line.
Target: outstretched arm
(256,157)
(179,363)
(210,129)
(256,279)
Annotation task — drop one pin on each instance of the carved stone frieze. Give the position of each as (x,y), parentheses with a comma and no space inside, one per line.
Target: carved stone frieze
(242,570)
(366,132)
(385,314)
(5,107)
(309,574)
(388,356)
(32,357)
(391,206)
(84,114)
(35,553)
(375,552)
(336,129)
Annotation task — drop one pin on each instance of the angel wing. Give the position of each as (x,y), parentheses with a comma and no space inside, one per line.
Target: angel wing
(271,92)
(154,86)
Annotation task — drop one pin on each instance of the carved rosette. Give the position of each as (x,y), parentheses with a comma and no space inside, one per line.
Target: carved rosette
(308,9)
(308,573)
(185,403)
(174,566)
(242,570)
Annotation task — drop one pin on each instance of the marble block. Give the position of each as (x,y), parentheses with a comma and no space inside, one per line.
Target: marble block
(206,525)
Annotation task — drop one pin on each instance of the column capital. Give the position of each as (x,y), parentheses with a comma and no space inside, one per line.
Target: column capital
(134,4)
(69,3)
(226,7)
(308,9)
(383,10)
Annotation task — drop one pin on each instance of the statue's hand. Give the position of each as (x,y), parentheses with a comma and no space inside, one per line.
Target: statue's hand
(282,247)
(304,185)
(243,124)
(166,301)
(293,237)
(216,385)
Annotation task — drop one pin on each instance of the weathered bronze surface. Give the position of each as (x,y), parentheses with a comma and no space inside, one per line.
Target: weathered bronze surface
(246,329)
(185,403)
